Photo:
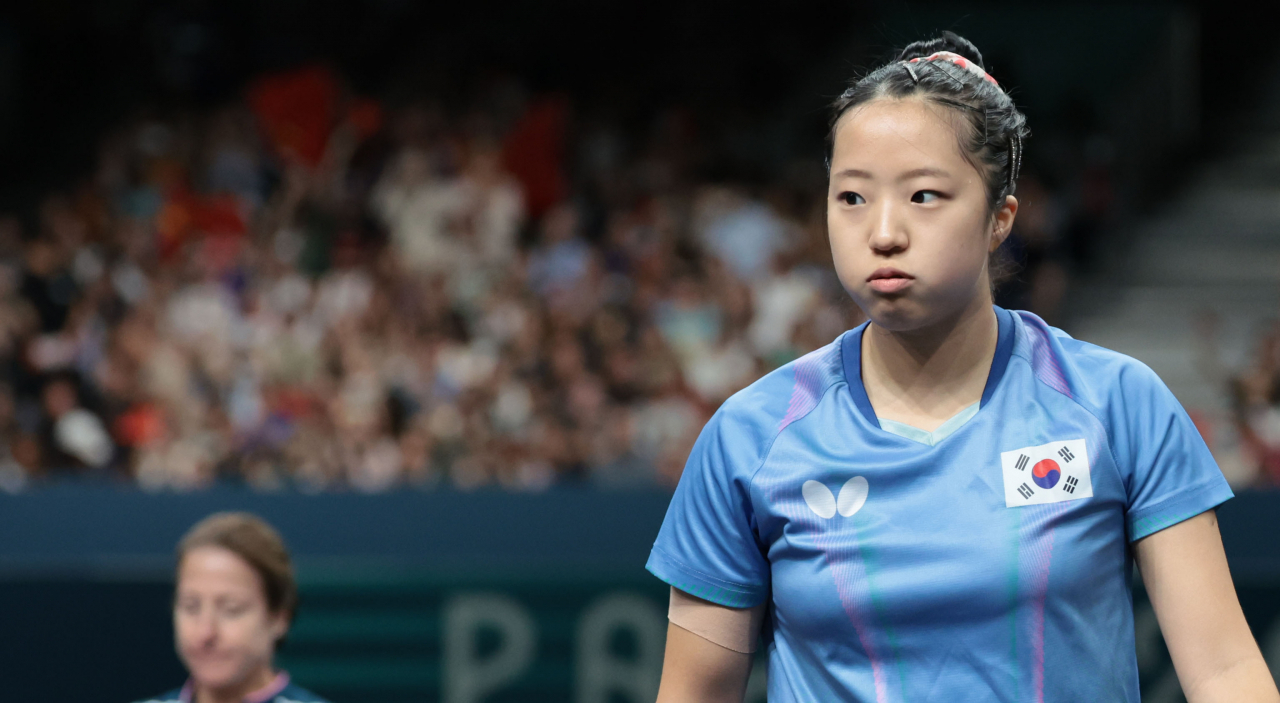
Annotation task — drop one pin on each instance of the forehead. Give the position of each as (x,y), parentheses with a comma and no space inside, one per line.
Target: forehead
(907,133)
(217,569)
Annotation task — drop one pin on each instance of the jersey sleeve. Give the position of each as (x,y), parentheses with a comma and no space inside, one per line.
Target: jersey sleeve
(1168,473)
(708,545)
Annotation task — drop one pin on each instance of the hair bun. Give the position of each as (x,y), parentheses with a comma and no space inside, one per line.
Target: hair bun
(949,41)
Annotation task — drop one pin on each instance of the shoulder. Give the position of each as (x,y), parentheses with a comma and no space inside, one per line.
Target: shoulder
(785,394)
(174,696)
(297,694)
(1102,369)
(1092,375)
(738,436)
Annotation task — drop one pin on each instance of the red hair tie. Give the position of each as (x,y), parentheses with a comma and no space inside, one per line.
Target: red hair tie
(960,61)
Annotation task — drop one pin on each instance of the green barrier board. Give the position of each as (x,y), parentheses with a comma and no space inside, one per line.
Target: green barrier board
(370,638)
(373,639)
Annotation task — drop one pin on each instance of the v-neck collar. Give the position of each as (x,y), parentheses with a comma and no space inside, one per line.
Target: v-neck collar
(852,353)
(925,437)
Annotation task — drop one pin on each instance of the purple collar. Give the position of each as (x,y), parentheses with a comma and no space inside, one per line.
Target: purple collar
(261,695)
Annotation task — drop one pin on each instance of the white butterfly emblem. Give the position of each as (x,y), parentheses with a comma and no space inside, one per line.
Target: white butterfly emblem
(825,505)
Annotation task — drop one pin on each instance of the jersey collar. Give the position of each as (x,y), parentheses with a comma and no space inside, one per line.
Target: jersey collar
(852,352)
(262,695)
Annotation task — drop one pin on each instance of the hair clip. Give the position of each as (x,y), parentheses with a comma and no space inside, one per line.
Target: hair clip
(1015,159)
(944,66)
(914,78)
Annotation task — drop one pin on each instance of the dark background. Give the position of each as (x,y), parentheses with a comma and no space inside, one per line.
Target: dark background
(68,70)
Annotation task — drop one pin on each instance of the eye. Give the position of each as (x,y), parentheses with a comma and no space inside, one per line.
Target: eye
(235,610)
(925,196)
(851,198)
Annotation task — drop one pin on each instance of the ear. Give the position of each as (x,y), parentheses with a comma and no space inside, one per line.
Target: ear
(1002,222)
(278,625)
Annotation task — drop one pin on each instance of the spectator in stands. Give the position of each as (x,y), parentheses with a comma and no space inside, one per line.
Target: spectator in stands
(1255,396)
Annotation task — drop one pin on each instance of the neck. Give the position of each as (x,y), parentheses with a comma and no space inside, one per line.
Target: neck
(924,376)
(235,693)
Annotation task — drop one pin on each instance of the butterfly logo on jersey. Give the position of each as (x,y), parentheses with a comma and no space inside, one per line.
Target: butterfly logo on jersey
(825,505)
(1049,473)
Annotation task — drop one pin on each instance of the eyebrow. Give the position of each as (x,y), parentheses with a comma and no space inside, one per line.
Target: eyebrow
(914,173)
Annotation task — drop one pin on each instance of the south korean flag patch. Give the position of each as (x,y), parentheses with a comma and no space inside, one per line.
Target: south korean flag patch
(1049,473)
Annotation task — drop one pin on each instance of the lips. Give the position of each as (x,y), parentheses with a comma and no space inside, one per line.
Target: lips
(889,280)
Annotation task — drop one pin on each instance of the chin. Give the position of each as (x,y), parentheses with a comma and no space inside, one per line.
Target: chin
(915,310)
(895,314)
(217,675)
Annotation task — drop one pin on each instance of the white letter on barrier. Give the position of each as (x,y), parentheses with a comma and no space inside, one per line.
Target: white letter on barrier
(467,677)
(599,672)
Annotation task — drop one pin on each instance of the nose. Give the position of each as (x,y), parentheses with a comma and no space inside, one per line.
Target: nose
(204,628)
(888,233)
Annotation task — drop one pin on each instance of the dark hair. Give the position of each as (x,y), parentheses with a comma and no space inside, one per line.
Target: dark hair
(995,130)
(258,544)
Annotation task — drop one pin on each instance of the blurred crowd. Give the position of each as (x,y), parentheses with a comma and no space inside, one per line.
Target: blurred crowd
(309,289)
(1255,408)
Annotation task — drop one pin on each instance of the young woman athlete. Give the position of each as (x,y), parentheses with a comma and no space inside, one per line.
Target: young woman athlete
(234,600)
(945,503)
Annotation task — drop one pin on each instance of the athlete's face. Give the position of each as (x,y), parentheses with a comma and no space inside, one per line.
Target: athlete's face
(908,216)
(226,633)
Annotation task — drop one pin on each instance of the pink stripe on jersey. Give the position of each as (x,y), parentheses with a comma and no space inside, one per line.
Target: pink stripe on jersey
(1043,362)
(848,568)
(1038,556)
(262,695)
(810,382)
(850,574)
(269,691)
(813,373)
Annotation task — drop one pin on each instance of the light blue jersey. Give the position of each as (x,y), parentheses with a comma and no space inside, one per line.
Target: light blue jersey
(985,561)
